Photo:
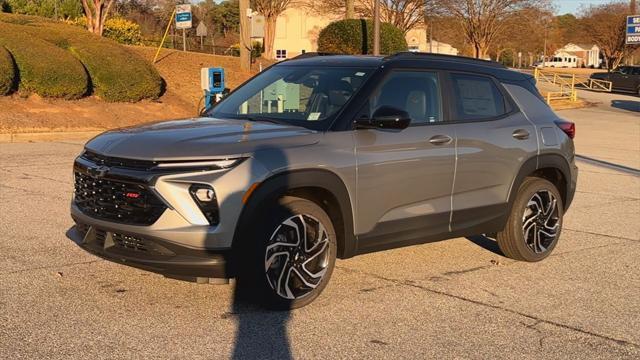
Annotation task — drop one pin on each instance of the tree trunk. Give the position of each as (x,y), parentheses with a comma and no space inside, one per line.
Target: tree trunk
(350,9)
(245,37)
(269,36)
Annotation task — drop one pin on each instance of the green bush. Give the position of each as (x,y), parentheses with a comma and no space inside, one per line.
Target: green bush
(118,29)
(123,31)
(116,73)
(355,37)
(43,67)
(7,72)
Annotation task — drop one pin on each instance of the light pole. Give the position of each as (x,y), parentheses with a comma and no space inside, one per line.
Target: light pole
(376,27)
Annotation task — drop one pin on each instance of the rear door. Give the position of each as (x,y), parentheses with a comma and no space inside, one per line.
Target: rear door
(493,141)
(404,177)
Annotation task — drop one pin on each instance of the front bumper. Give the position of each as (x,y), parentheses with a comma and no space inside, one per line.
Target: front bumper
(150,253)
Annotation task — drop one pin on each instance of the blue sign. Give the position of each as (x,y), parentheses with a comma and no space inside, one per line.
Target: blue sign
(633,30)
(183,16)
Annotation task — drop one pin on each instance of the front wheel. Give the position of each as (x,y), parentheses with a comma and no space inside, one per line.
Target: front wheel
(535,222)
(293,252)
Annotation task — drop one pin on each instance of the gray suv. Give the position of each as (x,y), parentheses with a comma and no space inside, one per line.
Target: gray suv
(324,157)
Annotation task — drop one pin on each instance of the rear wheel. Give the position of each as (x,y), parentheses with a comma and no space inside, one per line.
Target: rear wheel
(535,222)
(293,252)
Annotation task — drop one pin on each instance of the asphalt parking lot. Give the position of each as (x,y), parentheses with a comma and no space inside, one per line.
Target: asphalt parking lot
(453,299)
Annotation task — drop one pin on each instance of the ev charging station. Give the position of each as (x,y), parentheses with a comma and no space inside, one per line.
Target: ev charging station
(212,83)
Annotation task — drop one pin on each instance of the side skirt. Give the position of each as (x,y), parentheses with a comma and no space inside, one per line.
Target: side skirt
(433,228)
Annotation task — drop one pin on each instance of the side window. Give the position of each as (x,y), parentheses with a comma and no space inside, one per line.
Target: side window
(477,97)
(416,92)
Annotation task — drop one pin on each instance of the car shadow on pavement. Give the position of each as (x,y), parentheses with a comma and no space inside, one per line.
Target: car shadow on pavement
(626,105)
(261,334)
(486,242)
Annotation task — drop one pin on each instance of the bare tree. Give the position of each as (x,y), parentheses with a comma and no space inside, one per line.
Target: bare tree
(350,12)
(481,20)
(96,12)
(606,25)
(270,9)
(404,14)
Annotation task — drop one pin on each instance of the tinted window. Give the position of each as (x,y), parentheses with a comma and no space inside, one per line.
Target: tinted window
(477,97)
(415,92)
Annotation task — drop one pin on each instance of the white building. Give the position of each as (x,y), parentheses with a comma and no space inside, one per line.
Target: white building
(586,55)
(440,48)
(297,32)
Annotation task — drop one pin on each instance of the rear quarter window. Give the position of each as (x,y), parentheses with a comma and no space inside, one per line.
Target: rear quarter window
(477,98)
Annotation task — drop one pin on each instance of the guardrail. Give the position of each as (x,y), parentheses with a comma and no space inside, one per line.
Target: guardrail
(568,84)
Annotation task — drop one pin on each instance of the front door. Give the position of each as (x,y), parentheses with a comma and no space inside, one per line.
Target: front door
(404,178)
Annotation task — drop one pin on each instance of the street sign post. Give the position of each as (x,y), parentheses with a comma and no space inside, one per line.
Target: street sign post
(633,30)
(183,21)
(201,30)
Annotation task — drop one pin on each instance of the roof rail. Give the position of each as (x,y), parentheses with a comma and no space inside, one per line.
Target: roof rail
(435,56)
(314,54)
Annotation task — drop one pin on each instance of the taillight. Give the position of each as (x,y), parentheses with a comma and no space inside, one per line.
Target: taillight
(568,127)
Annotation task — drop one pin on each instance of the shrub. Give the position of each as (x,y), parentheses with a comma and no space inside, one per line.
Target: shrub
(355,37)
(123,31)
(116,73)
(43,67)
(7,72)
(118,29)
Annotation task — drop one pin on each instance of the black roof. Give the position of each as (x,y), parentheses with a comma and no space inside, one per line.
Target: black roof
(411,59)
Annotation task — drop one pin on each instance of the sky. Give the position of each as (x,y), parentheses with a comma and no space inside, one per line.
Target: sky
(573,6)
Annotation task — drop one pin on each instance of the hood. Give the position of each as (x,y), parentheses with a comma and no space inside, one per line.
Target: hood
(599,75)
(199,138)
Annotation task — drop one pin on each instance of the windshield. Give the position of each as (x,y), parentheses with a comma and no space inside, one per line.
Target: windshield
(296,95)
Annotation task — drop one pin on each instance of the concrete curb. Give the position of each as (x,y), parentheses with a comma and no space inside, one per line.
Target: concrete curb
(48,136)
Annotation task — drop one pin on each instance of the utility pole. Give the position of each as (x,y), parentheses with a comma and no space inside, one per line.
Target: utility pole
(376,27)
(245,40)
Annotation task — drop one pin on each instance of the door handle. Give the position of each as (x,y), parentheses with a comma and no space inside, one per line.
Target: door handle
(521,134)
(440,139)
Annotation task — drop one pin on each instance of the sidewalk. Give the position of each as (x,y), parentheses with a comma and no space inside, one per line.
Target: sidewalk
(609,131)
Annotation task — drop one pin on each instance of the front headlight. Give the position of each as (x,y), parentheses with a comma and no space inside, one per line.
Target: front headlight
(199,164)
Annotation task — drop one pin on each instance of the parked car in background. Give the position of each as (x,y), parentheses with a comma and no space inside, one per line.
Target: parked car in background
(623,78)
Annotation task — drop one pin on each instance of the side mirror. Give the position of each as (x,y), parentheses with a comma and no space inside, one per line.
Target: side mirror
(386,117)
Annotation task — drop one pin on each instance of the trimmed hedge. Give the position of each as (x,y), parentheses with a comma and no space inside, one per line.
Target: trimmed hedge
(7,72)
(44,68)
(355,37)
(116,74)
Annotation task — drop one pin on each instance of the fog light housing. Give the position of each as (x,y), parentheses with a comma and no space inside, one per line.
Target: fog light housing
(205,197)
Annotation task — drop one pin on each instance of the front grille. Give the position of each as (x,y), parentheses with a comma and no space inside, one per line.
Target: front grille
(118,162)
(111,200)
(101,236)
(130,242)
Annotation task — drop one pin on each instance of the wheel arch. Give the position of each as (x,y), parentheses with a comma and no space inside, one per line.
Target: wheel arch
(320,186)
(552,167)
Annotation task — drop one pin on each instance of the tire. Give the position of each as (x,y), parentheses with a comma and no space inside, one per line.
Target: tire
(534,225)
(279,270)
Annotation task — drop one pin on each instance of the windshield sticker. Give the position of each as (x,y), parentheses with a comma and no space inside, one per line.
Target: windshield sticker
(314,116)
(359,73)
